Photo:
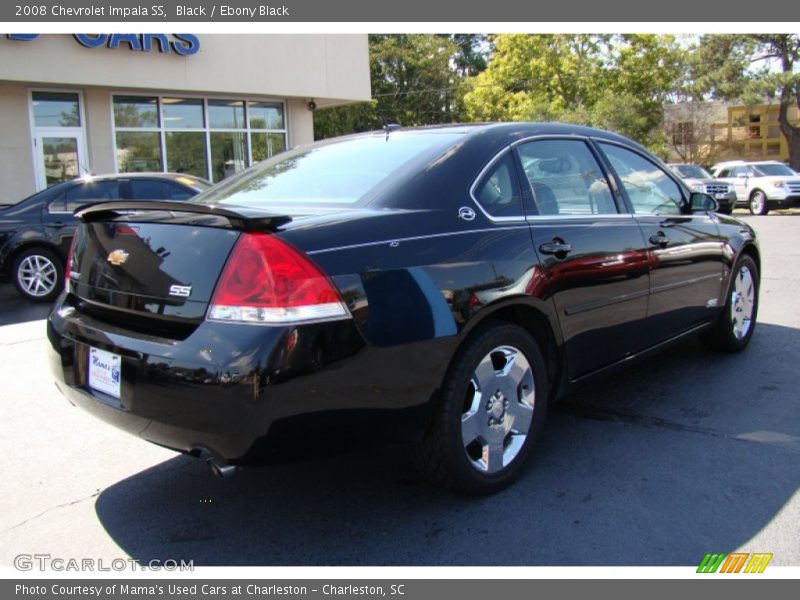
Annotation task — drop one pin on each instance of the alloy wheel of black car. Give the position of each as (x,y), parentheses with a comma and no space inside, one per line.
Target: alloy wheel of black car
(735,326)
(758,203)
(38,274)
(492,408)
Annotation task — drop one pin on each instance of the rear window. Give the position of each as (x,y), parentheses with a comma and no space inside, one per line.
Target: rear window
(341,173)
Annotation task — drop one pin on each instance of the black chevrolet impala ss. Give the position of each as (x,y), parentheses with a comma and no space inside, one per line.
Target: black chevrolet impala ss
(437,286)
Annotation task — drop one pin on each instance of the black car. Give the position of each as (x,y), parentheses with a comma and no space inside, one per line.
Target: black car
(35,234)
(437,286)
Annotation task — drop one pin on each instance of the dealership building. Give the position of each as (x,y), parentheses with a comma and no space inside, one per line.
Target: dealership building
(210,105)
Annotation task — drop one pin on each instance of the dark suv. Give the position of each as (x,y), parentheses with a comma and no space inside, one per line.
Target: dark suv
(35,234)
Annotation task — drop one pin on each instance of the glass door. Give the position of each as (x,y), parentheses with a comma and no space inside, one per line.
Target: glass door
(60,157)
(58,137)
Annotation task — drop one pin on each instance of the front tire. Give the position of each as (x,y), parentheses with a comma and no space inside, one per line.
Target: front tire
(491,409)
(758,203)
(38,274)
(735,326)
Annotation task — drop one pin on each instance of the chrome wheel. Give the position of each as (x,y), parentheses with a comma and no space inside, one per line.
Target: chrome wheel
(498,409)
(742,302)
(757,203)
(37,276)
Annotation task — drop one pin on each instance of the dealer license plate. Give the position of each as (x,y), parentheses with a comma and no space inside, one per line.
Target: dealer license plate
(105,371)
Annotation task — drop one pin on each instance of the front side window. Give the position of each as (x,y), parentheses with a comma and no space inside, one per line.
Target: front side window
(650,190)
(565,178)
(776,170)
(498,191)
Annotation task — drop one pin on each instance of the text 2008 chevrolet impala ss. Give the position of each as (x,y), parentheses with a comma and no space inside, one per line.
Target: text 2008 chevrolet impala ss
(436,286)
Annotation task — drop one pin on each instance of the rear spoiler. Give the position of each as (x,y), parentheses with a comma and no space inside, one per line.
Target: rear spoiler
(245,219)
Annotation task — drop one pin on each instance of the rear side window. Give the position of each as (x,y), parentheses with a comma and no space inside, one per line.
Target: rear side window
(565,178)
(498,190)
(153,189)
(650,190)
(93,191)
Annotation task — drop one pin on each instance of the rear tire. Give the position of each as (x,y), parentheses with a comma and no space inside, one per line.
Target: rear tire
(736,323)
(38,274)
(491,409)
(758,203)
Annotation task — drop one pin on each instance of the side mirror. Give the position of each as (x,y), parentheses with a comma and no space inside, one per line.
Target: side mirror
(699,202)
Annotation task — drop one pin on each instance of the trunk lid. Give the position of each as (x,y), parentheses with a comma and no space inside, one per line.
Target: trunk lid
(150,265)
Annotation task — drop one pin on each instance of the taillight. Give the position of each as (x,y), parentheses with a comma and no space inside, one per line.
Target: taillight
(267,281)
(68,269)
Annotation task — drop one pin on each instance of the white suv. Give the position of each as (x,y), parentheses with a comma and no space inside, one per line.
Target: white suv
(760,186)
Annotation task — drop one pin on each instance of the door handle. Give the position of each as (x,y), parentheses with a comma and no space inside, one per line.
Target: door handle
(659,239)
(55,225)
(556,247)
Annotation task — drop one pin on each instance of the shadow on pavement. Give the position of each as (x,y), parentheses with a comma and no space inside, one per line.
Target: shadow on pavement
(15,309)
(687,453)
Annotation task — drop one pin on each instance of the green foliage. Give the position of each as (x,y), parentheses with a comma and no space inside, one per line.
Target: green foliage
(415,81)
(615,82)
(753,68)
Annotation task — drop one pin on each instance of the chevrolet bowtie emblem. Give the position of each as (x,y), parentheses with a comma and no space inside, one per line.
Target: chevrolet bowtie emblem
(117,257)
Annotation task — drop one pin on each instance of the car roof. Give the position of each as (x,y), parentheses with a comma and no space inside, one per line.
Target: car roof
(193,179)
(501,131)
(733,163)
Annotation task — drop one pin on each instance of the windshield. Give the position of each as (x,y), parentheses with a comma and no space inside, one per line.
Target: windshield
(776,169)
(337,173)
(691,172)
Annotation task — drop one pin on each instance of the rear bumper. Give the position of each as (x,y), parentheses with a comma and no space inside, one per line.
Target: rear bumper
(250,394)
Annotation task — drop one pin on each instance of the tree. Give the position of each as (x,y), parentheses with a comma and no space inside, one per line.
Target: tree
(415,81)
(616,82)
(692,134)
(751,68)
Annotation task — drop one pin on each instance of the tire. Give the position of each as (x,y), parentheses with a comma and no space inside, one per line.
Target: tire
(733,329)
(758,203)
(478,439)
(38,274)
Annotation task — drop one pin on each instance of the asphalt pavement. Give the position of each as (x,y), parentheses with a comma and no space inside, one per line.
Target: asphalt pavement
(687,453)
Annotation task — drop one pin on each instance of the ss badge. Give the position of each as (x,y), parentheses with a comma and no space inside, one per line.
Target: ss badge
(182,291)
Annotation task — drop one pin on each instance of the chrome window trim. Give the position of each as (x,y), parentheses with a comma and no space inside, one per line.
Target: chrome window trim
(480,177)
(533,138)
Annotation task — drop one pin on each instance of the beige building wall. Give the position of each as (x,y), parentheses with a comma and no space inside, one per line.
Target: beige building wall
(328,69)
(16,145)
(97,107)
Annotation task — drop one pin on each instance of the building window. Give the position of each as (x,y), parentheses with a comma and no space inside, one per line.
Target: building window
(208,137)
(773,149)
(56,109)
(682,133)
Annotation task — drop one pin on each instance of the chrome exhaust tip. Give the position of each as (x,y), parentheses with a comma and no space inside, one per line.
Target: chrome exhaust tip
(220,470)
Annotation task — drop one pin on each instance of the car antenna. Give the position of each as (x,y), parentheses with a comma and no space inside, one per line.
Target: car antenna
(389,127)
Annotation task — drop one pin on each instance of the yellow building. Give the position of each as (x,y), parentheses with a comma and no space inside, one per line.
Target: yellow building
(709,132)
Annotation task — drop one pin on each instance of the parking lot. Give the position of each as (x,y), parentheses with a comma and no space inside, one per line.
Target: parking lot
(687,453)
